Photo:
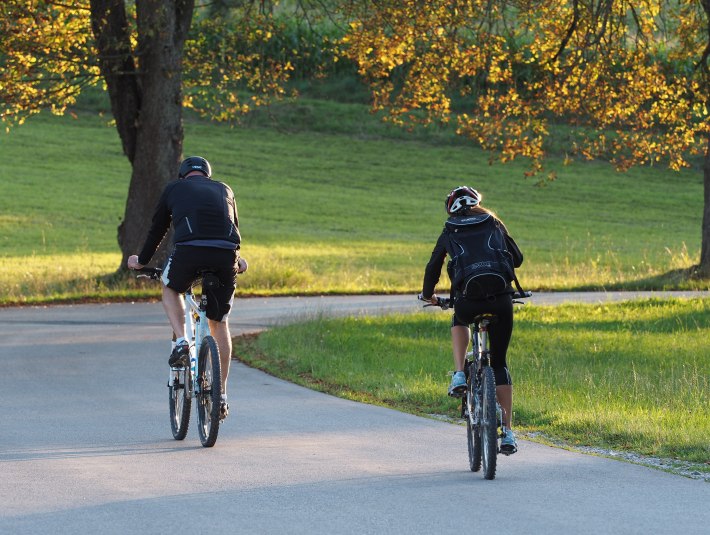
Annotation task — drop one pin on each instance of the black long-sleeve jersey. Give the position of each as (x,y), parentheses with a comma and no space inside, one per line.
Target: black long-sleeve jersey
(200,209)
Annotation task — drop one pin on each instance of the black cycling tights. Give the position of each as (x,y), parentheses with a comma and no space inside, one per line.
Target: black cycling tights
(499,332)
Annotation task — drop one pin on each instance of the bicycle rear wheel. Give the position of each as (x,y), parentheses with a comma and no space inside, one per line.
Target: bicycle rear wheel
(180,402)
(472,431)
(209,391)
(489,424)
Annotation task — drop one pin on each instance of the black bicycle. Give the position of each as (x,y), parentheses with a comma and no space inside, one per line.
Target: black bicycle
(479,406)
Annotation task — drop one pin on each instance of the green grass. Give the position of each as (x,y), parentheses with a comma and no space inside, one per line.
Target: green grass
(632,376)
(330,201)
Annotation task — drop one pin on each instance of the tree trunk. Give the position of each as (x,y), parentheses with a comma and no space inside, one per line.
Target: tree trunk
(113,42)
(704,268)
(145,88)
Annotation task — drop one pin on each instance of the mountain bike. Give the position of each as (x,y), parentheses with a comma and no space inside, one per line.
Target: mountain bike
(479,405)
(202,380)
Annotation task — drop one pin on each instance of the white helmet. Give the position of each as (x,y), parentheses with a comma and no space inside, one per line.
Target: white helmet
(460,198)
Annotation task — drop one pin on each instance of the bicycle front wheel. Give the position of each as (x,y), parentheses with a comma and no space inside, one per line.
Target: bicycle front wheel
(472,428)
(179,401)
(489,424)
(209,391)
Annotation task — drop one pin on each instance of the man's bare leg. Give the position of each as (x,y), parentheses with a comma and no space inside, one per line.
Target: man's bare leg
(220,332)
(174,306)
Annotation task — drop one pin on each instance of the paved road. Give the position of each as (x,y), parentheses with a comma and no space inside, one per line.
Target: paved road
(85,446)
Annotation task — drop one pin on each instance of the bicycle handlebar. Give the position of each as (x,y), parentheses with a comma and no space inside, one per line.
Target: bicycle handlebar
(522,295)
(150,273)
(445,303)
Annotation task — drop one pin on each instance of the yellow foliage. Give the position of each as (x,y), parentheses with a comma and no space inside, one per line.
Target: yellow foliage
(636,69)
(595,64)
(39,44)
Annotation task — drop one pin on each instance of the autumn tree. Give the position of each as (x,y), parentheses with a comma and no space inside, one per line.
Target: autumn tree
(633,77)
(151,66)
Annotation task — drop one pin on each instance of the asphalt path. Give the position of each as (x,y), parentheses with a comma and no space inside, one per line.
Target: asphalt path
(85,446)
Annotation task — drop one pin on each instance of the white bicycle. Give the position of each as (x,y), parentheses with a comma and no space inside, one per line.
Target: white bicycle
(202,381)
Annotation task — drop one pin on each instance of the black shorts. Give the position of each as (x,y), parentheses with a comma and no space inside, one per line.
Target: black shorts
(500,332)
(184,267)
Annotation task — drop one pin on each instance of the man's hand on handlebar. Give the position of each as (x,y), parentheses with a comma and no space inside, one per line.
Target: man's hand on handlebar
(133,262)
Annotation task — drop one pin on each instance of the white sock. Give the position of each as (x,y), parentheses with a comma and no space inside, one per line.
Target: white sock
(180,340)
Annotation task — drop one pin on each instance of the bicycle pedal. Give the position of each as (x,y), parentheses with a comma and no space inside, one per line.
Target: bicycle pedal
(457,393)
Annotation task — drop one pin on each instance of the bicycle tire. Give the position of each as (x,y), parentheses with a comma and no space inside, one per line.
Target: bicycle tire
(472,430)
(489,424)
(180,402)
(209,386)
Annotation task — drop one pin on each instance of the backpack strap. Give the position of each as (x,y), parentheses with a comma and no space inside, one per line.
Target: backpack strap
(517,284)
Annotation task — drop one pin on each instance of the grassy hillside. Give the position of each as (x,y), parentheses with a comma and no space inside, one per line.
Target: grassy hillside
(331,200)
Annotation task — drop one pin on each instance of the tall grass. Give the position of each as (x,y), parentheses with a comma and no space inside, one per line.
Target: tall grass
(630,376)
(635,374)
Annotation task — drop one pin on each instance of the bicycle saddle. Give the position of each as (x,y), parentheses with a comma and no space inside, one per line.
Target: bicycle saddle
(490,318)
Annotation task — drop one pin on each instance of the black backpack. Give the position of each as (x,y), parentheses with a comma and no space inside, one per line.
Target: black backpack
(481,263)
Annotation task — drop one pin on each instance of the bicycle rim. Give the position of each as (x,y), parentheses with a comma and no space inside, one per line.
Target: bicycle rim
(180,402)
(489,424)
(209,392)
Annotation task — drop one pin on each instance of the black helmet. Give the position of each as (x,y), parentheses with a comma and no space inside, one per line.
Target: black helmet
(195,163)
(460,198)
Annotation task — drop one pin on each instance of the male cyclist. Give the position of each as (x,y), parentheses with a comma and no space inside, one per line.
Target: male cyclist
(203,214)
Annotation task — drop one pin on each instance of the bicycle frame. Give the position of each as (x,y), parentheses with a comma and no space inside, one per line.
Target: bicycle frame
(195,383)
(197,328)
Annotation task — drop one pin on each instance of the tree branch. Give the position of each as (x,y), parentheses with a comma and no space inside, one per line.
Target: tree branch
(570,31)
(703,61)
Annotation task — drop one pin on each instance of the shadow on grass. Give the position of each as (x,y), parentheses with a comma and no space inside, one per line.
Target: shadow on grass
(116,286)
(677,279)
(123,285)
